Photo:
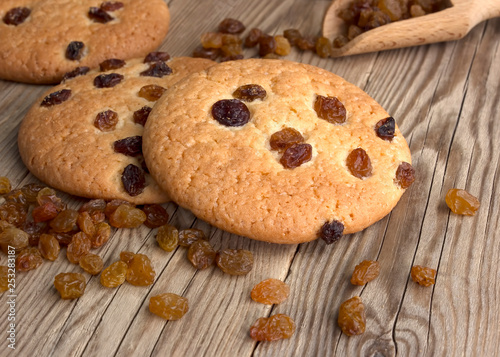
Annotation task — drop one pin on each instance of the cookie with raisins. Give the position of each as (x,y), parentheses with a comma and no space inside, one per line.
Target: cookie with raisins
(84,136)
(277,151)
(44,39)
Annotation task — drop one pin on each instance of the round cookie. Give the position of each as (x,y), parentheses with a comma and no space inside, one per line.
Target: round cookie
(44,39)
(84,135)
(233,178)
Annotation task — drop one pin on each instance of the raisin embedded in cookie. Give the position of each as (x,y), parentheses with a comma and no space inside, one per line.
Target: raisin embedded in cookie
(44,39)
(84,136)
(277,151)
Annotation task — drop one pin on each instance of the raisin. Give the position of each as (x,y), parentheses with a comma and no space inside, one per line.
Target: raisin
(208,53)
(112,63)
(211,40)
(140,271)
(234,261)
(64,239)
(28,259)
(102,234)
(112,205)
(231,26)
(99,15)
(365,272)
(405,175)
(330,109)
(272,328)
(232,50)
(16,196)
(253,38)
(157,69)
(56,98)
(107,80)
(4,278)
(70,285)
(386,128)
(126,216)
(201,254)
(267,44)
(49,247)
(126,257)
(133,180)
(95,208)
(156,57)
(306,43)
(231,58)
(296,155)
(283,47)
(151,92)
(5,185)
(292,35)
(15,238)
(106,121)
(13,213)
(416,11)
(331,232)
(359,164)
(74,51)
(352,320)
(423,276)
(167,237)
(340,41)
(141,115)
(78,248)
(230,39)
(250,92)
(131,146)
(231,112)
(270,291)
(189,236)
(16,16)
(49,195)
(168,306)
(462,202)
(353,31)
(283,139)
(45,212)
(156,216)
(86,224)
(91,263)
(111,5)
(114,275)
(78,71)
(323,47)
(65,221)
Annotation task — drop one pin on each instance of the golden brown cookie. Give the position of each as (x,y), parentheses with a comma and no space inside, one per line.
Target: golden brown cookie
(84,135)
(218,148)
(44,39)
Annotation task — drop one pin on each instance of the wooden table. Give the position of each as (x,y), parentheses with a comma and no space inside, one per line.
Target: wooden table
(445,98)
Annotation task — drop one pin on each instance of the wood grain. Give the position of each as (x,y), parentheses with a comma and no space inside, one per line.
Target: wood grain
(445,99)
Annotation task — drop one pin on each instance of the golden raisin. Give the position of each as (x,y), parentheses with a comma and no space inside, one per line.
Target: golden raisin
(49,247)
(151,92)
(112,63)
(4,278)
(323,47)
(365,272)
(189,236)
(211,40)
(102,234)
(270,291)
(91,263)
(283,47)
(283,139)
(28,259)
(462,202)
(352,320)
(272,328)
(70,285)
(423,276)
(250,92)
(126,257)
(78,248)
(106,121)
(114,275)
(5,185)
(167,237)
(140,272)
(234,261)
(201,254)
(15,238)
(65,221)
(331,109)
(168,306)
(405,175)
(359,164)
(86,224)
(296,155)
(126,216)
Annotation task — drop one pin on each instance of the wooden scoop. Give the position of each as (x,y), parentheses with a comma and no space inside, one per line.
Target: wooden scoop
(450,24)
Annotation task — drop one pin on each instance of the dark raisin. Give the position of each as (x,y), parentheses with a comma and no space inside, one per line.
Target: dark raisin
(359,164)
(386,128)
(267,44)
(157,57)
(292,35)
(112,63)
(306,43)
(56,98)
(16,16)
(296,155)
(111,5)
(133,180)
(283,139)
(78,71)
(208,53)
(74,50)
(156,216)
(106,121)
(231,112)
(157,69)
(107,80)
(98,15)
(331,109)
(131,146)
(331,232)
(405,175)
(253,38)
(250,92)
(141,115)
(231,26)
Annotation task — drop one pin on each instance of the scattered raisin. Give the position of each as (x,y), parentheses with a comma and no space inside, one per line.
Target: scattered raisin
(141,115)
(99,15)
(270,291)
(168,306)
(267,44)
(70,285)
(462,202)
(253,38)
(365,272)
(332,231)
(112,63)
(140,271)
(331,109)
(283,46)
(65,221)
(211,40)
(102,234)
(352,320)
(231,112)
(272,328)
(78,248)
(106,121)
(28,259)
(151,92)
(423,276)
(156,216)
(292,35)
(405,175)
(126,257)
(78,71)
(107,80)
(250,92)
(126,216)
(5,185)
(231,26)
(133,180)
(283,139)
(323,47)
(306,43)
(56,98)
(296,155)
(4,278)
(201,254)
(74,50)
(386,128)
(111,5)
(359,164)
(16,16)
(131,146)
(190,235)
(157,69)
(49,247)
(234,261)
(114,275)
(167,237)
(208,53)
